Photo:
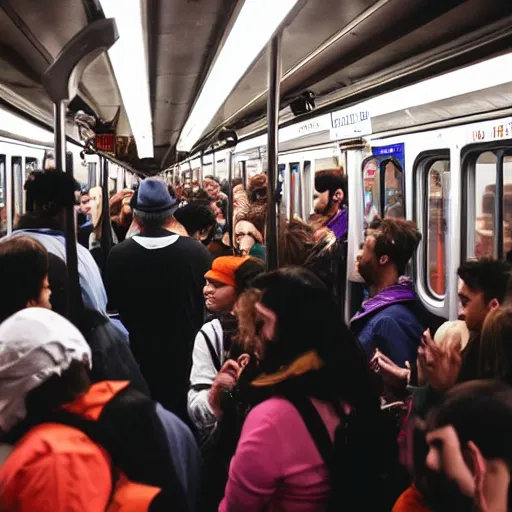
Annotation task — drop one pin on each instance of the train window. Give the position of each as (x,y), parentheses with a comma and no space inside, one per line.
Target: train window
(371,198)
(438,190)
(295,184)
(31,164)
(307,192)
(18,182)
(393,190)
(322,164)
(507,204)
(91,175)
(484,200)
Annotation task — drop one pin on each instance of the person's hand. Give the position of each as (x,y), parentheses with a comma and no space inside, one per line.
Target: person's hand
(225,380)
(394,376)
(439,365)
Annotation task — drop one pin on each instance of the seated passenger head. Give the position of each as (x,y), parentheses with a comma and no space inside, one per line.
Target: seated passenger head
(85,205)
(296,241)
(211,185)
(43,364)
(299,317)
(482,287)
(153,205)
(387,249)
(330,191)
(48,194)
(23,274)
(227,279)
(469,446)
(198,219)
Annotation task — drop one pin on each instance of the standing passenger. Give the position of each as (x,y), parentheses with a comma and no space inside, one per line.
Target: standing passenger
(155,281)
(308,357)
(390,320)
(50,193)
(228,278)
(331,225)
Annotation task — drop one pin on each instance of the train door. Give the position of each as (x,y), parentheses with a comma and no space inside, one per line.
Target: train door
(295,191)
(306,190)
(18,182)
(31,164)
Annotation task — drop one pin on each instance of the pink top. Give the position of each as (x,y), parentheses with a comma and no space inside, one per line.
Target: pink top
(277,466)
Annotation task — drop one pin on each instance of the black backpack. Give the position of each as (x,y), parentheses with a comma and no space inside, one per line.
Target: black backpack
(130,431)
(363,462)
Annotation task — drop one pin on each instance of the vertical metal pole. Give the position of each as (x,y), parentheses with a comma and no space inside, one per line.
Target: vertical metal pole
(74,291)
(106,230)
(498,210)
(201,169)
(244,173)
(214,164)
(229,220)
(9,194)
(274,79)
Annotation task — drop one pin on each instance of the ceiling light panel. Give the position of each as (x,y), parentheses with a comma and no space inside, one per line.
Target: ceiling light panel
(129,61)
(255,25)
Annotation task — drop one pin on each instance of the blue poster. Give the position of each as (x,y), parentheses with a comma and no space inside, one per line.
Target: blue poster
(393,151)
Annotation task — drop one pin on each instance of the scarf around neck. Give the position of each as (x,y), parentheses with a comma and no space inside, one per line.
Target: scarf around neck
(398,293)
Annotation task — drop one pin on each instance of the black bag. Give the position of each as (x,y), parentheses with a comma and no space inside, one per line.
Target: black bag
(112,358)
(130,430)
(364,474)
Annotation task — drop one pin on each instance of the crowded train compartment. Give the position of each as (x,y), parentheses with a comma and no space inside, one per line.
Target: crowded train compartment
(225,221)
(436,152)
(393,92)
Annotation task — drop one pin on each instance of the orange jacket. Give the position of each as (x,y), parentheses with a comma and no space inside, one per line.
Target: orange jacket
(57,468)
(411,500)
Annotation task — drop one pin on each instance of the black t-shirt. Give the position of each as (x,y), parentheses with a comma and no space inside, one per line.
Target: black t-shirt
(156,283)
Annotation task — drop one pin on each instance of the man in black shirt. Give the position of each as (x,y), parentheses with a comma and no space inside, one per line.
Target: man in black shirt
(155,281)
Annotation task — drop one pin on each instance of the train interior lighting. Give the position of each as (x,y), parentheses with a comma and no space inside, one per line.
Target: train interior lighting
(20,127)
(256,23)
(130,64)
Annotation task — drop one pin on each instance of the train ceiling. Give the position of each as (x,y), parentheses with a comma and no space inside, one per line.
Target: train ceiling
(340,51)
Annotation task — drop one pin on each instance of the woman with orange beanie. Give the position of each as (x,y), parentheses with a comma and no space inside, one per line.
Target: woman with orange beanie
(211,372)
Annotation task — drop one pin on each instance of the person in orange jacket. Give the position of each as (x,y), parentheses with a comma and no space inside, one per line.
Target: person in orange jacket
(67,445)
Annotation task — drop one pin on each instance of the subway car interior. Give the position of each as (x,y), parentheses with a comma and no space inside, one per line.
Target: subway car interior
(407,102)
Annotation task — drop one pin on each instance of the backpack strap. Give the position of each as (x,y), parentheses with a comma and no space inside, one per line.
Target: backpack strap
(316,428)
(213,352)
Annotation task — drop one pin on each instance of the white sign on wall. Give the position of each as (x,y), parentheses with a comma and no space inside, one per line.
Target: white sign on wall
(350,123)
(315,125)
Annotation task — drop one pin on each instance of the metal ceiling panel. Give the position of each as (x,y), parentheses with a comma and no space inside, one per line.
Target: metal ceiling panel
(66,17)
(185,37)
(379,36)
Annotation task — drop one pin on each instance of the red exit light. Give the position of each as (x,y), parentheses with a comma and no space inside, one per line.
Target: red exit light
(106,143)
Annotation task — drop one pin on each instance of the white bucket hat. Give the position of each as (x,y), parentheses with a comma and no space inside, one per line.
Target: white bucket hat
(35,344)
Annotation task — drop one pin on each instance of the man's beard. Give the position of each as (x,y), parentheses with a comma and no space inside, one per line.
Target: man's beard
(327,210)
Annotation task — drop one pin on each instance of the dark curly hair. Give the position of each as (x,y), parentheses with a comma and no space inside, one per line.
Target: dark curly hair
(396,238)
(487,275)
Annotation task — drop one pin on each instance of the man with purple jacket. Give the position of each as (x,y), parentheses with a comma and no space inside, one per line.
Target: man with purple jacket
(392,320)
